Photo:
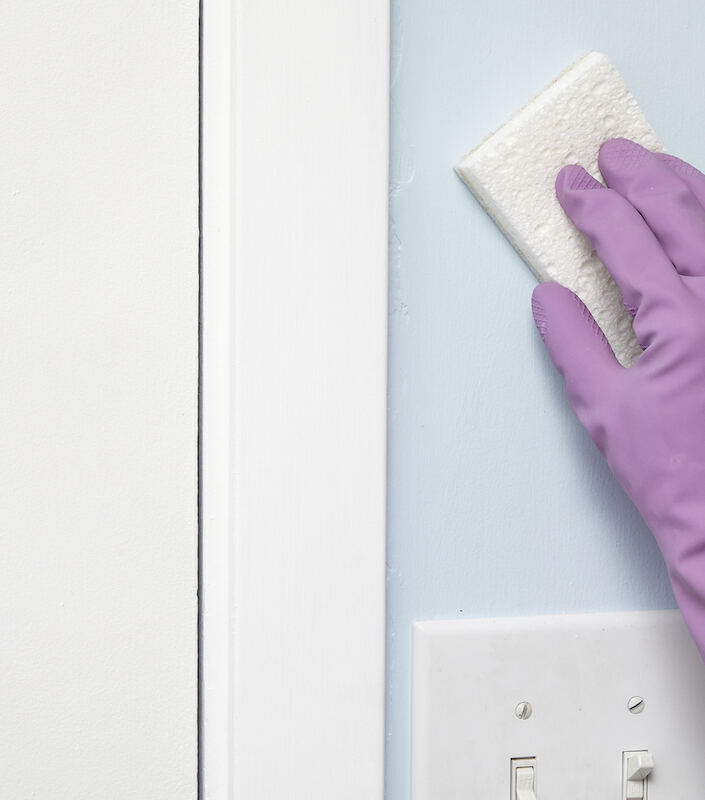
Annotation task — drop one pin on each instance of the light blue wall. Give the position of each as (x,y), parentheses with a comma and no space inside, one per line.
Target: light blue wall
(498,502)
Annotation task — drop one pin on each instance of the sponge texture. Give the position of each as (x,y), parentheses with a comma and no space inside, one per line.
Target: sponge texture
(512,174)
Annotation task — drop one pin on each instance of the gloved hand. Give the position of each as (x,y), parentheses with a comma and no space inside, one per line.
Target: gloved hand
(648,228)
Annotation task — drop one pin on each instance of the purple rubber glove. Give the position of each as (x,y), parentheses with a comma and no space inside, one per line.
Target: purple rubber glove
(648,228)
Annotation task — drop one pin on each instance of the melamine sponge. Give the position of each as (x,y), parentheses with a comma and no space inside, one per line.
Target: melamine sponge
(512,173)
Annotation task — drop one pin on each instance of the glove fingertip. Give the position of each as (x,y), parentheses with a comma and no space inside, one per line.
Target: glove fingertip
(538,309)
(544,296)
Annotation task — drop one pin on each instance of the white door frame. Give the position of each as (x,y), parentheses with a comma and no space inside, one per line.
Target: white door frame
(293,436)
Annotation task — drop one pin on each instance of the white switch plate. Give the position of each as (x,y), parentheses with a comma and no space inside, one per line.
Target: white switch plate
(578,672)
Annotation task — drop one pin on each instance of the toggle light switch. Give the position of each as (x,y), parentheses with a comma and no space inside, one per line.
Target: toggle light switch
(636,767)
(523,779)
(583,677)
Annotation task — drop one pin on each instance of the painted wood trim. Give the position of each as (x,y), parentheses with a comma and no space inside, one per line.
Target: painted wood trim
(215,703)
(294,202)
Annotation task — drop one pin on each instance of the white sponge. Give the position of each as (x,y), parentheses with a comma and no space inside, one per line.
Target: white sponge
(513,171)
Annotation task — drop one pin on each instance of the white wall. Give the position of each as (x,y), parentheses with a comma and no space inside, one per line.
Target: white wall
(98,366)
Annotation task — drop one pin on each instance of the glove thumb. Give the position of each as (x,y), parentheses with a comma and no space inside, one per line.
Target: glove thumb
(579,350)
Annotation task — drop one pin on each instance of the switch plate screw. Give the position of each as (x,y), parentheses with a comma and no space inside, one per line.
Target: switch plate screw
(523,710)
(636,704)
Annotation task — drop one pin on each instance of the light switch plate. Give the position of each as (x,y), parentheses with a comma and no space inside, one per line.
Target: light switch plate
(578,672)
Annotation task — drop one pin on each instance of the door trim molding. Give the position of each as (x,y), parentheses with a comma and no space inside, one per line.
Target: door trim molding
(295,139)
